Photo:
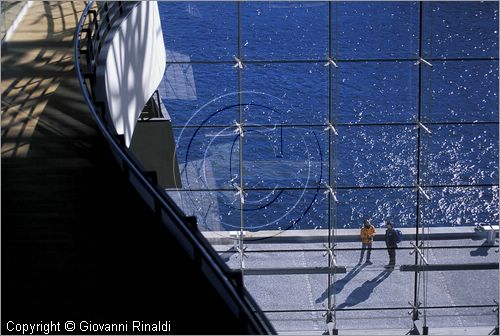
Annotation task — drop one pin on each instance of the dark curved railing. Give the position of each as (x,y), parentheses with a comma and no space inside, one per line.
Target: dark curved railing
(92,33)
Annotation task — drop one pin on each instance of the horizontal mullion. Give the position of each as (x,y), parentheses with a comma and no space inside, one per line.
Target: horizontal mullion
(377,308)
(347,124)
(306,125)
(459,122)
(457,59)
(337,188)
(407,59)
(250,125)
(358,249)
(339,60)
(448,267)
(294,270)
(202,62)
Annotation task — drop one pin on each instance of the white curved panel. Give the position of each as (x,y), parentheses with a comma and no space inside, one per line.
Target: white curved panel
(135,63)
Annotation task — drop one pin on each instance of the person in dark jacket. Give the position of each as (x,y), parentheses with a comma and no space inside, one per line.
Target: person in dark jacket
(367,233)
(391,238)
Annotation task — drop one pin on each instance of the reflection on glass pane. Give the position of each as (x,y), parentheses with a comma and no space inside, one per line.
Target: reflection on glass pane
(462,29)
(451,255)
(298,321)
(368,290)
(460,206)
(285,209)
(460,154)
(208,157)
(284,30)
(461,91)
(454,295)
(199,30)
(354,205)
(377,92)
(379,319)
(369,30)
(285,93)
(214,210)
(273,293)
(200,94)
(296,259)
(284,157)
(376,155)
(469,316)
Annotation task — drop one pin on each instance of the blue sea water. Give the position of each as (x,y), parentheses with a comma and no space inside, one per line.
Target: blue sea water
(377,90)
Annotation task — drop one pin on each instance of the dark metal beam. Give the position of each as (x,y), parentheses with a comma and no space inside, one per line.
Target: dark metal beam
(295,270)
(472,306)
(449,267)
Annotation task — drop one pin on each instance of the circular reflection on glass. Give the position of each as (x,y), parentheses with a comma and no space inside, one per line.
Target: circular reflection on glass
(280,167)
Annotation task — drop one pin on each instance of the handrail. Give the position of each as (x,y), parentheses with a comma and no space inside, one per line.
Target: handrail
(181,227)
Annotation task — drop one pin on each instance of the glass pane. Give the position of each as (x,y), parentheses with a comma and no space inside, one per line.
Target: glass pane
(376,155)
(462,29)
(373,287)
(453,281)
(214,210)
(374,92)
(284,30)
(354,205)
(272,292)
(193,95)
(469,317)
(208,157)
(297,259)
(368,30)
(199,30)
(285,209)
(461,91)
(285,93)
(300,321)
(282,97)
(285,157)
(460,154)
(460,206)
(378,320)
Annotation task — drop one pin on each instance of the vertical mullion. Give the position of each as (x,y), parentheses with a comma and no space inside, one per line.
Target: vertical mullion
(329,152)
(419,140)
(240,102)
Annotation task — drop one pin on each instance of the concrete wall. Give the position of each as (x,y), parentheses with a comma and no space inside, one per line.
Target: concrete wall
(135,64)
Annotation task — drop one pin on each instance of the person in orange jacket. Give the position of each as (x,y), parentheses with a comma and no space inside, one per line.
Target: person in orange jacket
(367,233)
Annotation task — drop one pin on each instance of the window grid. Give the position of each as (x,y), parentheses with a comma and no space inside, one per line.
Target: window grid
(333,106)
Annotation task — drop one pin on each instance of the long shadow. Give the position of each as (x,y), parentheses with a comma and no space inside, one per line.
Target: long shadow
(363,292)
(481,251)
(20,97)
(226,255)
(338,285)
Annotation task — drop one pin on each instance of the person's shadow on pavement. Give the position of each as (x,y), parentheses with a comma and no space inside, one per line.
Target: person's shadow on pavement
(481,251)
(338,285)
(363,292)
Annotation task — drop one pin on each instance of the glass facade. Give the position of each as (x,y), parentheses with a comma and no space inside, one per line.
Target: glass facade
(303,119)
